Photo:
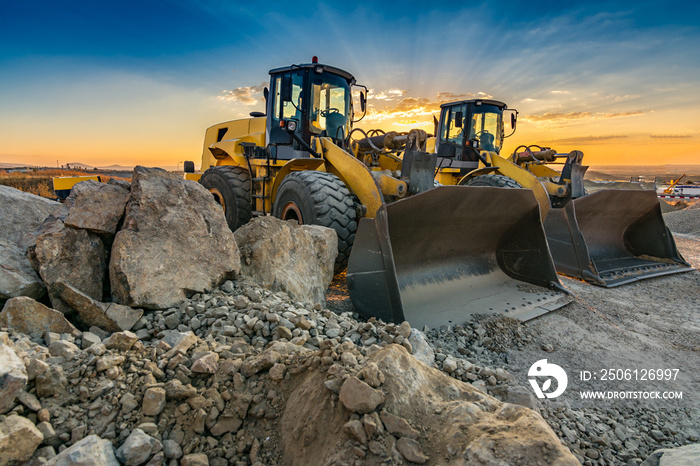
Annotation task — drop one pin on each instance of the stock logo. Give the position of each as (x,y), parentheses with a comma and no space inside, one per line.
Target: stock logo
(543,369)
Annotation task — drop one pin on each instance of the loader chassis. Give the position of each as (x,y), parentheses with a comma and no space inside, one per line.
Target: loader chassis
(608,238)
(300,161)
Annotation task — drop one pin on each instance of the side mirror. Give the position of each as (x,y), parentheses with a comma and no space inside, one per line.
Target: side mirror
(363,102)
(286,89)
(458,119)
(266,93)
(513,120)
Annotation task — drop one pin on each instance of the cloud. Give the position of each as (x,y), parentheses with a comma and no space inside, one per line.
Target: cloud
(389,95)
(588,139)
(417,110)
(245,95)
(670,136)
(557,116)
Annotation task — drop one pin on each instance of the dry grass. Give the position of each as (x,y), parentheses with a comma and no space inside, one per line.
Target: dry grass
(39,182)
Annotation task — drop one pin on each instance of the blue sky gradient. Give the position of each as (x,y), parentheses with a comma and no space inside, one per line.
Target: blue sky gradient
(144,79)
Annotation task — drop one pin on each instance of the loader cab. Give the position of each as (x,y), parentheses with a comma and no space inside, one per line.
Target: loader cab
(316,99)
(468,127)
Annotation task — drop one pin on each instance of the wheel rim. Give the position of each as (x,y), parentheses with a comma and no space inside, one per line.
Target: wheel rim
(218,197)
(291,211)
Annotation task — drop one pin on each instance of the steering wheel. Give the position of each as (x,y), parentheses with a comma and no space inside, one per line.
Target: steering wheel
(325,113)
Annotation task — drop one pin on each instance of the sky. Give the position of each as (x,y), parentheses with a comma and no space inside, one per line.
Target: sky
(124,82)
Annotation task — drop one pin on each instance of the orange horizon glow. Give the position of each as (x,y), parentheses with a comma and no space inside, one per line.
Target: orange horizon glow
(655,137)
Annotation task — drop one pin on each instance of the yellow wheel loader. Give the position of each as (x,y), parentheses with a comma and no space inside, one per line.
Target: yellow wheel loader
(428,255)
(608,238)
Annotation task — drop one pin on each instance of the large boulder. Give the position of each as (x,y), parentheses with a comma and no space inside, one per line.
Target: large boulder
(17,276)
(73,256)
(32,318)
(97,207)
(174,241)
(21,214)
(112,317)
(19,439)
(13,377)
(458,423)
(92,450)
(687,455)
(284,256)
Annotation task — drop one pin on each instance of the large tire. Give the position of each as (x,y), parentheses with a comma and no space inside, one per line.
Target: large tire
(230,187)
(498,181)
(319,198)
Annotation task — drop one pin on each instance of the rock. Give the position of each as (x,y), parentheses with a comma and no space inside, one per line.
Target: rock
(29,400)
(226,424)
(175,390)
(63,349)
(206,364)
(410,449)
(356,430)
(261,362)
(398,426)
(171,449)
(359,397)
(88,339)
(72,256)
(21,214)
(19,439)
(284,256)
(17,276)
(97,207)
(111,317)
(460,421)
(137,448)
(449,365)
(174,241)
(46,430)
(13,377)
(122,341)
(32,318)
(371,374)
(50,382)
(180,341)
(194,459)
(92,450)
(421,348)
(108,361)
(277,372)
(687,455)
(521,396)
(128,402)
(153,401)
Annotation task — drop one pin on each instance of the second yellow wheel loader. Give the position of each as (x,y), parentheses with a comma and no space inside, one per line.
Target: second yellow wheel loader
(431,256)
(608,238)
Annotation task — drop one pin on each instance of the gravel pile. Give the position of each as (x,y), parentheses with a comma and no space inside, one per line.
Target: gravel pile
(213,355)
(686,221)
(621,435)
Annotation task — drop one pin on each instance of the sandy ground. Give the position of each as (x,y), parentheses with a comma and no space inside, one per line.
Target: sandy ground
(635,323)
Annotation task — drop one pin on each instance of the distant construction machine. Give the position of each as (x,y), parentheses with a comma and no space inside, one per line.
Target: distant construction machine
(608,238)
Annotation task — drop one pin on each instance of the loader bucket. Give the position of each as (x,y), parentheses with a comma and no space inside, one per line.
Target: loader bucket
(437,257)
(613,237)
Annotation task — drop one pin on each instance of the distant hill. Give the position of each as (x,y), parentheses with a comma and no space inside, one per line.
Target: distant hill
(14,165)
(115,167)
